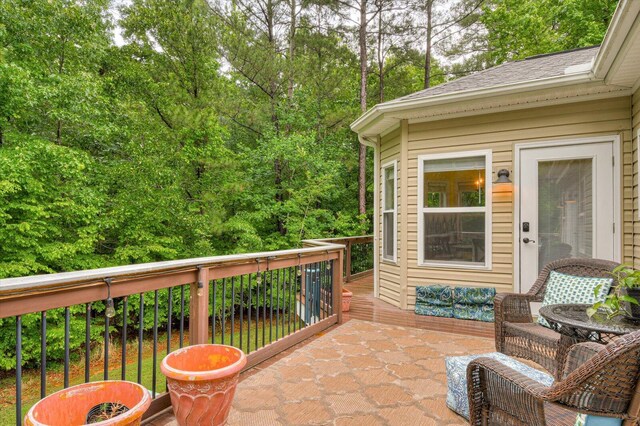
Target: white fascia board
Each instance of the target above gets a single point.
(378, 111)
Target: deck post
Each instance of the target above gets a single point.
(337, 284)
(347, 262)
(199, 308)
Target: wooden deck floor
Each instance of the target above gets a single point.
(364, 306)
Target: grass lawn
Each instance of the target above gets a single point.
(55, 379)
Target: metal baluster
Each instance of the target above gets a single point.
(286, 274)
(43, 354)
(105, 373)
(297, 303)
(257, 309)
(155, 343)
(182, 315)
(87, 342)
(169, 324)
(125, 310)
(319, 291)
(66, 347)
(278, 301)
(296, 316)
(223, 315)
(323, 302)
(169, 317)
(213, 310)
(241, 308)
(323, 289)
(18, 370)
(140, 336)
(331, 287)
(249, 314)
(271, 306)
(312, 296)
(295, 276)
(233, 307)
(264, 307)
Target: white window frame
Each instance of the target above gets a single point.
(487, 154)
(383, 170)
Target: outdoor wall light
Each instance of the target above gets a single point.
(503, 177)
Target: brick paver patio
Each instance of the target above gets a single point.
(360, 373)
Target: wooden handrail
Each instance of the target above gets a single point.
(19, 296)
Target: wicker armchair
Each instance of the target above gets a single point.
(516, 333)
(597, 380)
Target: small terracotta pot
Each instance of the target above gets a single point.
(346, 300)
(70, 406)
(202, 380)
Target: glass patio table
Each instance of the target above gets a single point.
(575, 326)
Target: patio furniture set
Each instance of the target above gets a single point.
(593, 364)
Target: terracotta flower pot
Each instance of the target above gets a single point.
(202, 381)
(71, 406)
(346, 300)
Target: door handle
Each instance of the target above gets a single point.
(527, 241)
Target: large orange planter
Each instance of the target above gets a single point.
(202, 381)
(69, 407)
(346, 300)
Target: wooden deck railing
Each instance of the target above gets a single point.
(259, 302)
(358, 254)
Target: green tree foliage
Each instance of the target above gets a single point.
(516, 29)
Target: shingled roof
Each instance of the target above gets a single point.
(529, 69)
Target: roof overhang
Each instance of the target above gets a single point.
(612, 74)
(618, 61)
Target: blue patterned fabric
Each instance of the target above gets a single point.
(588, 420)
(565, 289)
(473, 303)
(434, 295)
(474, 295)
(457, 397)
(434, 311)
(434, 300)
(469, 312)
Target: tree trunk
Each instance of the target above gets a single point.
(275, 120)
(362, 157)
(59, 132)
(380, 55)
(427, 56)
(292, 51)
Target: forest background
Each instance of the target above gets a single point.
(148, 130)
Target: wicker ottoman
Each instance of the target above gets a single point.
(457, 398)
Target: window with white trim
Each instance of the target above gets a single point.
(389, 211)
(454, 210)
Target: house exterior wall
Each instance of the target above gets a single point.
(389, 275)
(499, 132)
(635, 207)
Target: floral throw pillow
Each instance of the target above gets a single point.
(568, 289)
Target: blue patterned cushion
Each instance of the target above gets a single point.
(434, 295)
(457, 397)
(565, 289)
(434, 311)
(471, 312)
(588, 420)
(474, 296)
